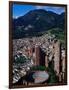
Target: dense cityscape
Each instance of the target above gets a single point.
(36, 57)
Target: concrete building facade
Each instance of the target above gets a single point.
(57, 57)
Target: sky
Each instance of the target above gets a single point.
(20, 9)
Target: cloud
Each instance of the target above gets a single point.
(39, 7)
(58, 10)
(55, 9)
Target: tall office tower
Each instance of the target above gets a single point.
(37, 55)
(30, 51)
(57, 58)
(63, 65)
(46, 61)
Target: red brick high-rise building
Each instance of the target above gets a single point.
(30, 51)
(39, 56)
(46, 61)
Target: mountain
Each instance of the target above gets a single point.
(35, 22)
